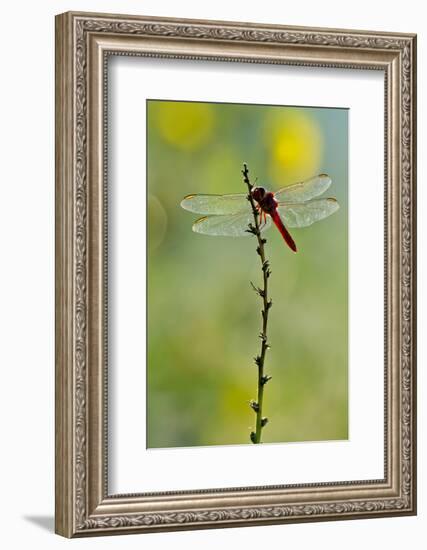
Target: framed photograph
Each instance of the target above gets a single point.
(235, 274)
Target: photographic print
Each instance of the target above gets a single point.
(247, 292)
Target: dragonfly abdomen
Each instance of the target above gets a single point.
(283, 231)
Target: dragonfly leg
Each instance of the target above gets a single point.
(263, 219)
(264, 215)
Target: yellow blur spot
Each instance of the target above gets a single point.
(185, 125)
(296, 145)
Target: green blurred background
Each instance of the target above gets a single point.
(203, 316)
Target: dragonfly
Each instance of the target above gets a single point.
(293, 206)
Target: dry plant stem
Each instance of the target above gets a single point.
(263, 293)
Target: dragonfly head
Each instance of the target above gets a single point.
(258, 193)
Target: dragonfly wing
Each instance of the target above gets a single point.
(232, 225)
(303, 191)
(216, 204)
(304, 214)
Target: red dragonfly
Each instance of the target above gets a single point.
(296, 205)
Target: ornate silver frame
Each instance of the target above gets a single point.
(83, 505)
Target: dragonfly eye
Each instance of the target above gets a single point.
(258, 193)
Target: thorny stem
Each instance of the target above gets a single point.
(267, 303)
